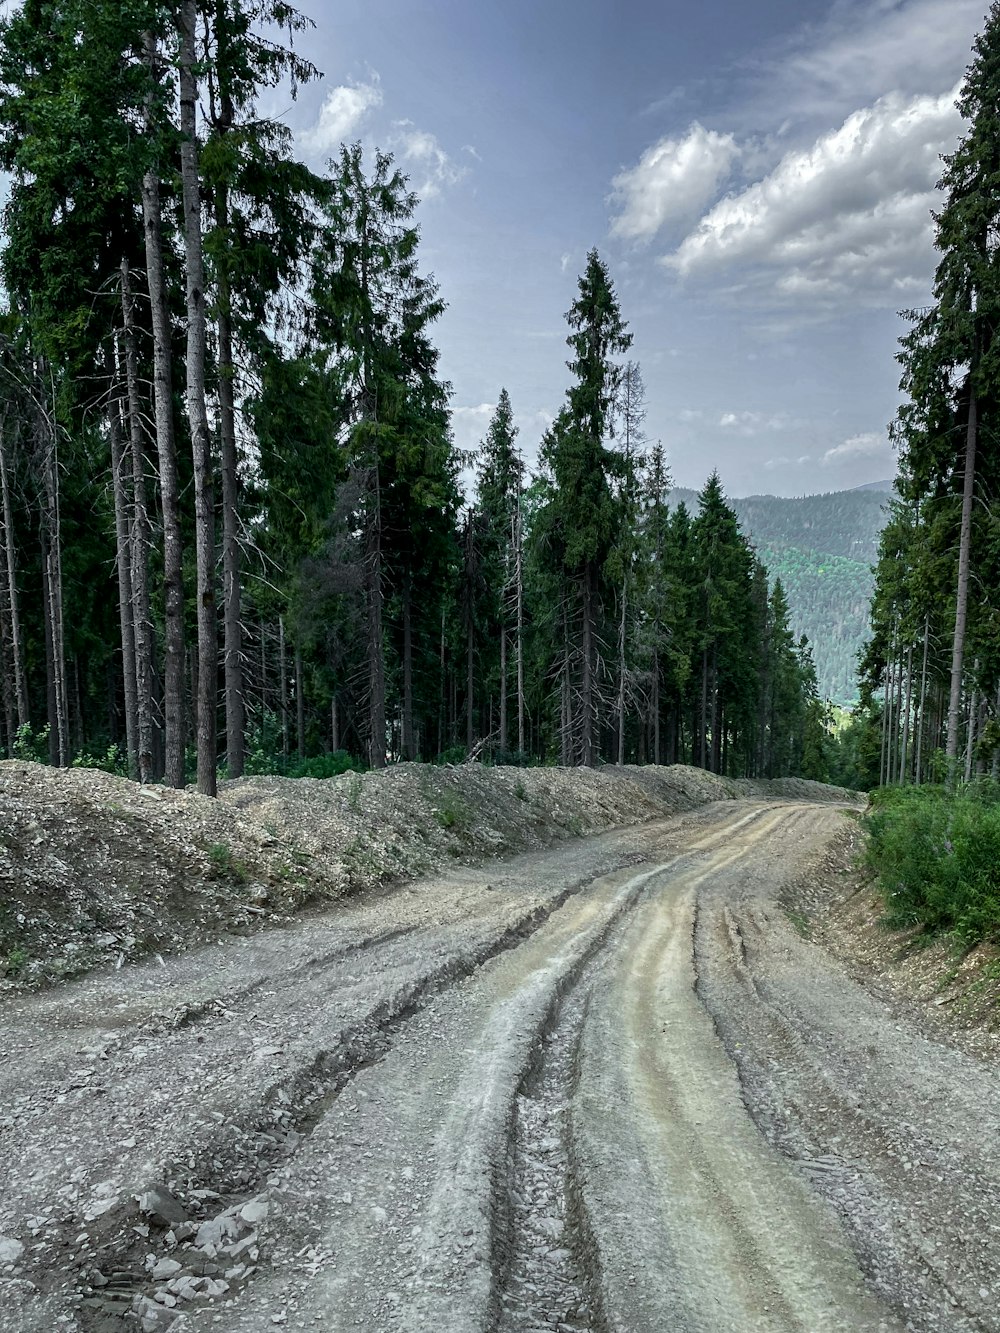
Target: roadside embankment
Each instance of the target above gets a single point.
(96, 870)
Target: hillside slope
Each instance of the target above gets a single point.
(822, 548)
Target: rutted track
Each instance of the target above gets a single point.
(511, 1104)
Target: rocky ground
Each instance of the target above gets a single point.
(619, 1083)
(96, 870)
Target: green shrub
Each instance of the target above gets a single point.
(937, 858)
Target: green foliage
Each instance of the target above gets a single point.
(111, 761)
(262, 764)
(224, 865)
(451, 811)
(16, 961)
(937, 858)
(31, 746)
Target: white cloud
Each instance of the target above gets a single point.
(671, 182)
(757, 423)
(429, 166)
(863, 48)
(850, 215)
(858, 447)
(343, 110)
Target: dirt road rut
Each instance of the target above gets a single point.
(605, 1088)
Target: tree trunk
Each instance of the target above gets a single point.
(142, 626)
(621, 674)
(962, 590)
(656, 705)
(283, 695)
(409, 751)
(970, 735)
(376, 648)
(300, 705)
(904, 754)
(587, 674)
(920, 726)
(502, 742)
(231, 552)
(52, 575)
(10, 551)
(125, 608)
(166, 451)
(204, 500)
(519, 566)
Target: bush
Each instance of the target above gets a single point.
(937, 858)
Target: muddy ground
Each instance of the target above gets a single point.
(620, 1082)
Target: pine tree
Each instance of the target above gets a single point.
(581, 519)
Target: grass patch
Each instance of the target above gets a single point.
(451, 811)
(224, 865)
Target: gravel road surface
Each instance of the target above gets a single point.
(605, 1087)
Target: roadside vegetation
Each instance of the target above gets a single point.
(936, 857)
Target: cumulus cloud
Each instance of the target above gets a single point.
(858, 447)
(851, 214)
(672, 181)
(428, 164)
(343, 110)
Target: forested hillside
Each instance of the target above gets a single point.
(822, 548)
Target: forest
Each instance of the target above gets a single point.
(823, 548)
(234, 538)
(927, 729)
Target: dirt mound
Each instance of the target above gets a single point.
(95, 869)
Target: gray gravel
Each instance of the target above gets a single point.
(603, 1087)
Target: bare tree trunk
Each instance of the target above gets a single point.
(10, 551)
(923, 703)
(703, 718)
(962, 590)
(231, 552)
(970, 735)
(125, 607)
(142, 626)
(503, 687)
(587, 674)
(656, 705)
(283, 671)
(376, 598)
(621, 674)
(903, 768)
(470, 659)
(334, 726)
(409, 751)
(300, 704)
(52, 574)
(166, 450)
(208, 645)
(519, 566)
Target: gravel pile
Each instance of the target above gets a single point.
(97, 870)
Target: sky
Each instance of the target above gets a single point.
(759, 178)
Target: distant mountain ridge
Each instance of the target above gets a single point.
(822, 548)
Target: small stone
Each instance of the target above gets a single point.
(161, 1205)
(165, 1268)
(10, 1250)
(254, 1212)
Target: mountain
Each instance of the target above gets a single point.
(822, 548)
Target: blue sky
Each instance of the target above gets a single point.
(759, 177)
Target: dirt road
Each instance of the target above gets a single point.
(606, 1087)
